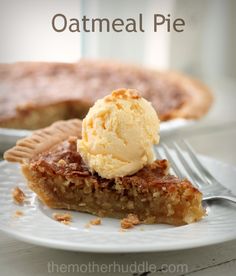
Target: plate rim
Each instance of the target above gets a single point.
(98, 249)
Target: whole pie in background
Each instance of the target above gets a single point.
(34, 95)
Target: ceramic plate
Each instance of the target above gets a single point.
(36, 225)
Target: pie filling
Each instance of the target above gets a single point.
(62, 180)
(34, 95)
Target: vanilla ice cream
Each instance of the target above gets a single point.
(118, 134)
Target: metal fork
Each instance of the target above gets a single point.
(185, 163)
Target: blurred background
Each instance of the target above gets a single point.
(205, 48)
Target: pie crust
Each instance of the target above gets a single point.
(35, 94)
(57, 174)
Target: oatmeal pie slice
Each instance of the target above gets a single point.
(57, 174)
(35, 94)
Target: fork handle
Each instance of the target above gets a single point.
(229, 198)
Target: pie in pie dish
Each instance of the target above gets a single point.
(34, 95)
(58, 175)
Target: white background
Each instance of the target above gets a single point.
(205, 48)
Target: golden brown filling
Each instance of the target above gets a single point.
(62, 180)
(64, 160)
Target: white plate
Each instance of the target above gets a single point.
(8, 137)
(36, 226)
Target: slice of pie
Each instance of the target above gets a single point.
(57, 174)
(34, 95)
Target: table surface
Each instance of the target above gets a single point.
(214, 136)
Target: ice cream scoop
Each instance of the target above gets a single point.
(118, 134)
